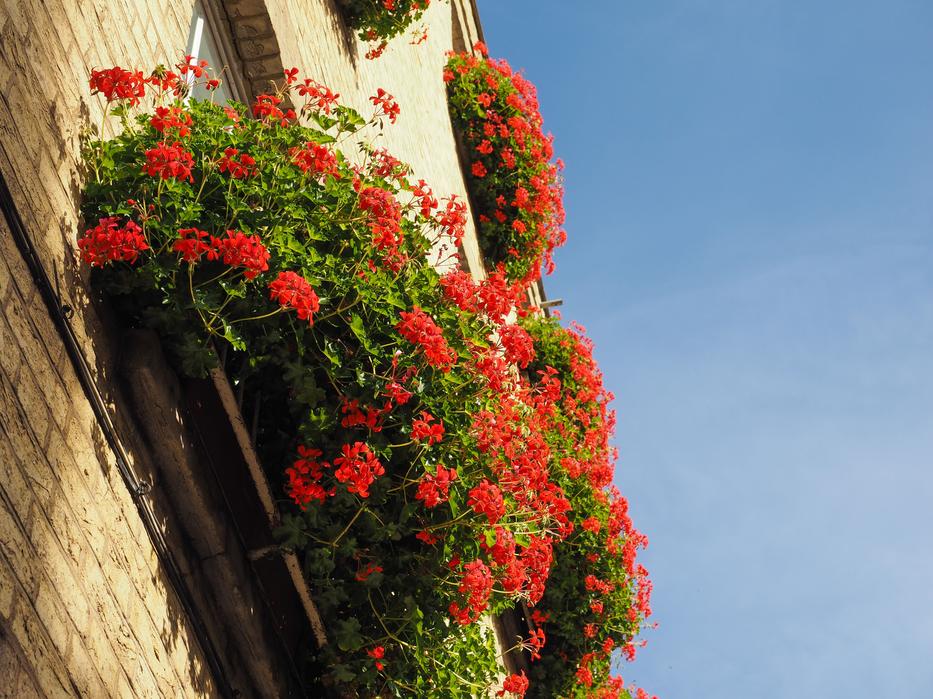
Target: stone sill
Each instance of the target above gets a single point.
(219, 513)
(257, 504)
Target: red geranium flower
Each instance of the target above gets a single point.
(117, 84)
(519, 349)
(239, 165)
(169, 162)
(476, 584)
(514, 684)
(317, 96)
(460, 288)
(427, 537)
(304, 477)
(359, 467)
(384, 215)
(419, 328)
(266, 108)
(377, 654)
(193, 243)
(315, 160)
(108, 241)
(385, 104)
(453, 218)
(434, 488)
(362, 575)
(486, 499)
(292, 290)
(241, 250)
(423, 431)
(174, 119)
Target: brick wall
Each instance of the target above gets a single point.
(85, 609)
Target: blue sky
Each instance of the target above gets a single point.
(750, 218)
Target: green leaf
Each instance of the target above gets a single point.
(342, 673)
(233, 336)
(347, 634)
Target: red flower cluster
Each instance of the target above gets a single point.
(239, 165)
(427, 537)
(317, 96)
(497, 296)
(519, 349)
(354, 416)
(266, 108)
(453, 218)
(169, 162)
(535, 643)
(193, 243)
(385, 105)
(168, 119)
(191, 65)
(108, 241)
(422, 429)
(304, 477)
(118, 84)
(363, 574)
(423, 194)
(384, 215)
(384, 164)
(503, 550)
(241, 250)
(358, 467)
(419, 328)
(434, 488)
(291, 290)
(315, 160)
(397, 394)
(516, 188)
(460, 288)
(377, 654)
(476, 584)
(486, 499)
(514, 684)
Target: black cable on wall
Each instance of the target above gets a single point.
(138, 489)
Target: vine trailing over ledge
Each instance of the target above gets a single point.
(379, 21)
(515, 187)
(438, 462)
(595, 585)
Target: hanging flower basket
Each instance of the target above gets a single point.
(434, 462)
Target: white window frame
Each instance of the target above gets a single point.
(209, 19)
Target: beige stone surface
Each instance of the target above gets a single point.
(84, 608)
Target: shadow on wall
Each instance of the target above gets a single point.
(257, 46)
(86, 552)
(340, 27)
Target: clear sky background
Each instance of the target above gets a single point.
(750, 218)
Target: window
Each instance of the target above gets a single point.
(209, 40)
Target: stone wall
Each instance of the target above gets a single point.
(85, 608)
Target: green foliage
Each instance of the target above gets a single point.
(311, 272)
(378, 21)
(516, 189)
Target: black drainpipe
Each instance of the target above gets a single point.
(60, 315)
